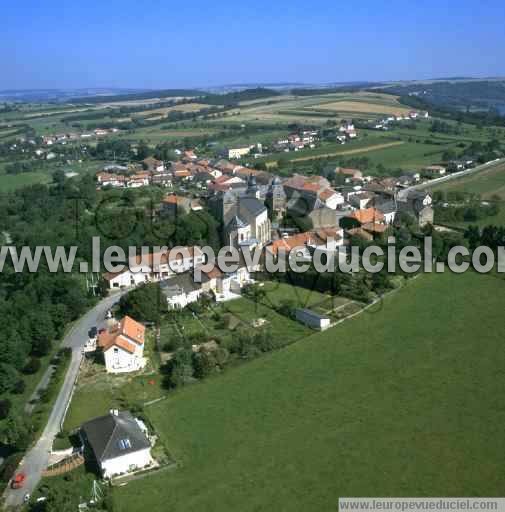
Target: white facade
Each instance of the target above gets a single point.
(119, 360)
(183, 299)
(238, 152)
(334, 200)
(389, 217)
(149, 270)
(126, 463)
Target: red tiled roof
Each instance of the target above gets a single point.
(309, 237)
(164, 257)
(374, 227)
(326, 194)
(367, 215)
(124, 335)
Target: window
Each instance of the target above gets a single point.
(124, 444)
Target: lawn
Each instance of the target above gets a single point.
(97, 391)
(275, 292)
(403, 400)
(247, 313)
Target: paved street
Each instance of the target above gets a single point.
(35, 461)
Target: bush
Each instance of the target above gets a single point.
(5, 407)
(32, 366)
(19, 387)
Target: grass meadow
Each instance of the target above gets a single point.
(402, 400)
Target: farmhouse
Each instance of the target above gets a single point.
(123, 346)
(118, 442)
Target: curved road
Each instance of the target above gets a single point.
(36, 459)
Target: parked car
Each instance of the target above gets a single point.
(18, 481)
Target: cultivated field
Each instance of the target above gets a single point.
(364, 107)
(399, 401)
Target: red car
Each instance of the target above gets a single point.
(18, 481)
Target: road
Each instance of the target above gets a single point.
(457, 175)
(36, 459)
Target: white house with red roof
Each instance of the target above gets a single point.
(123, 346)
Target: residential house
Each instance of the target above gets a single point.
(113, 180)
(181, 290)
(361, 200)
(418, 204)
(155, 266)
(434, 171)
(123, 346)
(173, 205)
(239, 151)
(355, 174)
(153, 165)
(369, 219)
(306, 243)
(388, 208)
(118, 442)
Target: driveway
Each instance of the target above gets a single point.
(36, 459)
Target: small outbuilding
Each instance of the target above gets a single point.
(312, 319)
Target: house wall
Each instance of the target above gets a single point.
(389, 217)
(125, 463)
(181, 301)
(118, 360)
(333, 201)
(123, 279)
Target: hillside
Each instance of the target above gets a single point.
(401, 401)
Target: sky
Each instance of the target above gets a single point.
(166, 44)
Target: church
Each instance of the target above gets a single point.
(244, 216)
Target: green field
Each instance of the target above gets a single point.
(488, 184)
(409, 155)
(403, 400)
